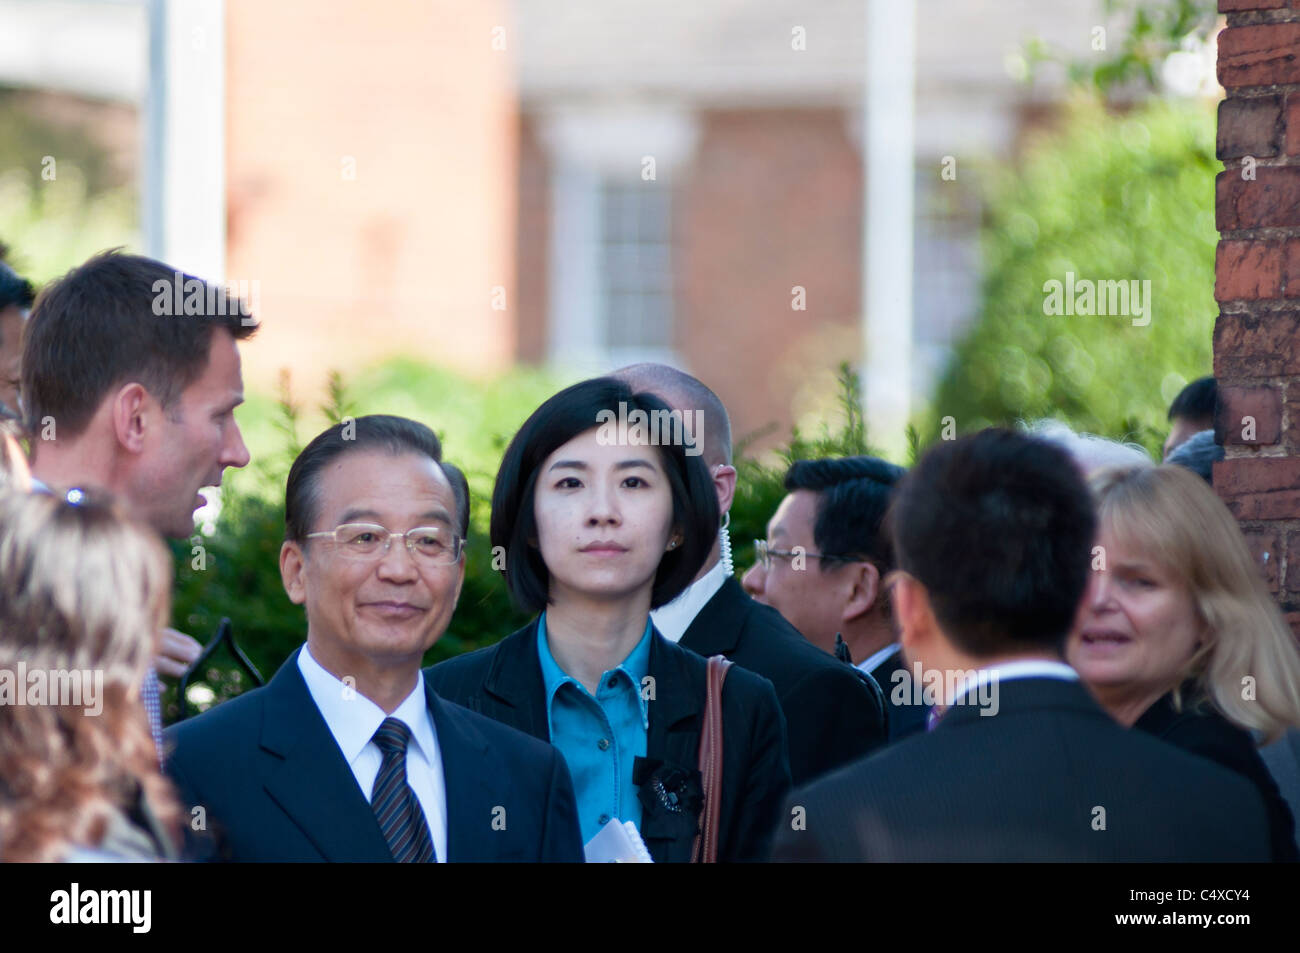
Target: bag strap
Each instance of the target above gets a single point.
(705, 848)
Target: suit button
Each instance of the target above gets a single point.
(603, 744)
(603, 819)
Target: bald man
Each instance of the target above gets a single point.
(833, 713)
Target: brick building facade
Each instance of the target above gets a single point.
(1257, 284)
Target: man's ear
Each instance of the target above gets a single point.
(866, 591)
(293, 568)
(912, 611)
(130, 416)
(724, 481)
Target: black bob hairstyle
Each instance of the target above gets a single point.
(571, 412)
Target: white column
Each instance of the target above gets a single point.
(184, 192)
(889, 180)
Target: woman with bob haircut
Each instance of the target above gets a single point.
(1177, 634)
(84, 595)
(599, 525)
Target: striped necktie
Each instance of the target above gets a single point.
(395, 805)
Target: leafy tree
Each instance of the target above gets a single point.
(1106, 197)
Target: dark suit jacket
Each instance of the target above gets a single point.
(832, 716)
(1028, 784)
(905, 718)
(504, 681)
(275, 787)
(1200, 729)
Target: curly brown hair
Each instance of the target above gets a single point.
(82, 590)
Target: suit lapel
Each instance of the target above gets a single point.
(308, 777)
(516, 694)
(466, 766)
(715, 630)
(673, 738)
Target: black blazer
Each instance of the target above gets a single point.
(274, 785)
(1027, 784)
(832, 715)
(905, 718)
(1203, 731)
(504, 681)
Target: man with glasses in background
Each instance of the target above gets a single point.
(823, 567)
(347, 754)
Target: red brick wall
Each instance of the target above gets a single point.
(1257, 284)
(773, 199)
(370, 164)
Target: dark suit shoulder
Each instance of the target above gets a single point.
(1201, 730)
(470, 668)
(1025, 785)
(741, 682)
(241, 715)
(770, 641)
(517, 745)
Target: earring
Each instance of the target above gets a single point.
(672, 544)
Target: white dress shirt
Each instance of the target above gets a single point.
(674, 619)
(870, 663)
(1026, 668)
(353, 720)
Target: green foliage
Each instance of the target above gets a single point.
(760, 482)
(1106, 197)
(52, 224)
(1156, 28)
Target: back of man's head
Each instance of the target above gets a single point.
(688, 394)
(998, 527)
(116, 319)
(15, 291)
(1195, 403)
(853, 495)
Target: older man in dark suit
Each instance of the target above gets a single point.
(833, 713)
(348, 754)
(993, 535)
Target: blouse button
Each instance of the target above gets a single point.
(603, 744)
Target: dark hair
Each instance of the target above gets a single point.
(13, 289)
(391, 435)
(460, 489)
(1196, 400)
(1198, 453)
(853, 496)
(571, 412)
(999, 528)
(110, 321)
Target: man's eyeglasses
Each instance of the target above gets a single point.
(765, 555)
(432, 545)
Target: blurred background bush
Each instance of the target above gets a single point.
(1109, 194)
